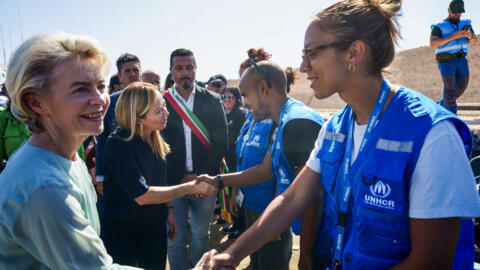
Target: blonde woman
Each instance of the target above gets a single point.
(48, 217)
(136, 204)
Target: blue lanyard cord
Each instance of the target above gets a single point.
(345, 181)
(245, 136)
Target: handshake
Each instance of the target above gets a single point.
(202, 186)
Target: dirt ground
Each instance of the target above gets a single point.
(220, 242)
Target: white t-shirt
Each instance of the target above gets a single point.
(187, 132)
(442, 183)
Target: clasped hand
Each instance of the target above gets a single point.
(201, 189)
(213, 260)
(207, 179)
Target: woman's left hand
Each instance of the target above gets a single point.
(172, 224)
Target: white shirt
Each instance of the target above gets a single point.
(187, 131)
(442, 183)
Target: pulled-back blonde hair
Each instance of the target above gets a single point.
(31, 69)
(135, 102)
(371, 21)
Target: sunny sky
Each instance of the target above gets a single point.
(218, 32)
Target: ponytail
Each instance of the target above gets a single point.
(372, 21)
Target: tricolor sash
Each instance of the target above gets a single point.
(189, 118)
(203, 136)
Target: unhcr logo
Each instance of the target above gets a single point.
(283, 177)
(380, 190)
(255, 142)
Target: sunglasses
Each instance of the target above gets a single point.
(252, 62)
(216, 85)
(227, 96)
(309, 53)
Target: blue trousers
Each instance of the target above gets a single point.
(455, 76)
(201, 213)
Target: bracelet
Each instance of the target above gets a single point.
(168, 207)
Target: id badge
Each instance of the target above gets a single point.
(239, 197)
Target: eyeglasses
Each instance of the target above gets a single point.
(227, 96)
(309, 53)
(252, 62)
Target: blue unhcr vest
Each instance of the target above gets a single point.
(456, 45)
(292, 109)
(377, 228)
(252, 145)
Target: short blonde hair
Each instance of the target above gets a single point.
(135, 102)
(31, 69)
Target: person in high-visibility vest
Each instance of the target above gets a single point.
(451, 38)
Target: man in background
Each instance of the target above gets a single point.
(197, 134)
(451, 38)
(217, 83)
(152, 77)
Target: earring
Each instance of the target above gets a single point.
(351, 67)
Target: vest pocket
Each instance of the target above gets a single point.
(329, 164)
(379, 185)
(378, 244)
(380, 224)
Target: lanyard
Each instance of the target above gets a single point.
(245, 136)
(346, 191)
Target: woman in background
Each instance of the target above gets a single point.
(168, 82)
(232, 102)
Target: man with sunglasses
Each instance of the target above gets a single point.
(264, 88)
(451, 38)
(217, 83)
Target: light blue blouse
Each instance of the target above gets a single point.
(48, 217)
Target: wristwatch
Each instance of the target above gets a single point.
(220, 181)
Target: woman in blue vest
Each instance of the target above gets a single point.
(400, 193)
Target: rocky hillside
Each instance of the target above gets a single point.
(415, 68)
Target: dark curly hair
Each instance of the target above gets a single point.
(169, 82)
(113, 80)
(291, 77)
(255, 55)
